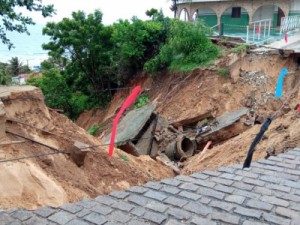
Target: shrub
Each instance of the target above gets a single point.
(93, 130)
(223, 72)
(142, 100)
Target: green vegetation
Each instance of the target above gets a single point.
(186, 48)
(223, 72)
(13, 20)
(123, 157)
(93, 130)
(142, 100)
(239, 49)
(88, 60)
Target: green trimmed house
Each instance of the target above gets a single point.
(237, 12)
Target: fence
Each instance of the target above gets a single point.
(259, 31)
(289, 23)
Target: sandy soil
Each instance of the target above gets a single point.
(56, 179)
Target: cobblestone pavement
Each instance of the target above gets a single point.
(267, 193)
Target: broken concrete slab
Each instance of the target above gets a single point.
(131, 124)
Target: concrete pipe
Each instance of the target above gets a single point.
(185, 147)
(170, 150)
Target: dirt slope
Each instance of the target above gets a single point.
(252, 76)
(56, 179)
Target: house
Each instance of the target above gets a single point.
(237, 12)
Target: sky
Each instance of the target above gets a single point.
(112, 10)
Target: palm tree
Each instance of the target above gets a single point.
(15, 66)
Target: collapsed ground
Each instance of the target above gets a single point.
(60, 178)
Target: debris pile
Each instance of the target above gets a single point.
(254, 78)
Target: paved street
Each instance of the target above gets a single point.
(267, 193)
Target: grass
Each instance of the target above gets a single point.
(239, 49)
(223, 72)
(93, 130)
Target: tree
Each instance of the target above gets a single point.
(13, 21)
(82, 43)
(15, 66)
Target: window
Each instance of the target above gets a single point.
(236, 12)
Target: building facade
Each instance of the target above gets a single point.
(237, 12)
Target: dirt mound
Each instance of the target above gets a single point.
(250, 82)
(54, 179)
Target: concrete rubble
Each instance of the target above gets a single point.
(143, 132)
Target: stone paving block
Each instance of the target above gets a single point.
(276, 219)
(45, 211)
(155, 217)
(87, 203)
(211, 193)
(287, 165)
(222, 181)
(231, 176)
(77, 222)
(265, 161)
(138, 211)
(137, 222)
(235, 199)
(155, 195)
(259, 205)
(274, 158)
(179, 214)
(189, 186)
(205, 200)
(179, 202)
(138, 189)
(95, 218)
(212, 173)
(170, 189)
(185, 178)
(292, 184)
(205, 183)
(35, 220)
(286, 156)
(222, 205)
(107, 200)
(243, 186)
(287, 196)
(156, 206)
(251, 222)
(275, 201)
(200, 176)
(253, 181)
(113, 223)
(83, 213)
(198, 208)
(271, 179)
(172, 182)
(224, 188)
(15, 223)
(5, 218)
(61, 217)
(226, 169)
(119, 194)
(225, 217)
(124, 206)
(72, 208)
(248, 212)
(173, 222)
(200, 221)
(22, 215)
(278, 187)
(288, 213)
(190, 195)
(104, 210)
(246, 174)
(153, 185)
(295, 206)
(247, 194)
(263, 191)
(119, 217)
(139, 200)
(293, 172)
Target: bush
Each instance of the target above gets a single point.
(187, 48)
(142, 100)
(223, 72)
(93, 130)
(239, 48)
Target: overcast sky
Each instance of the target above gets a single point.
(112, 9)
